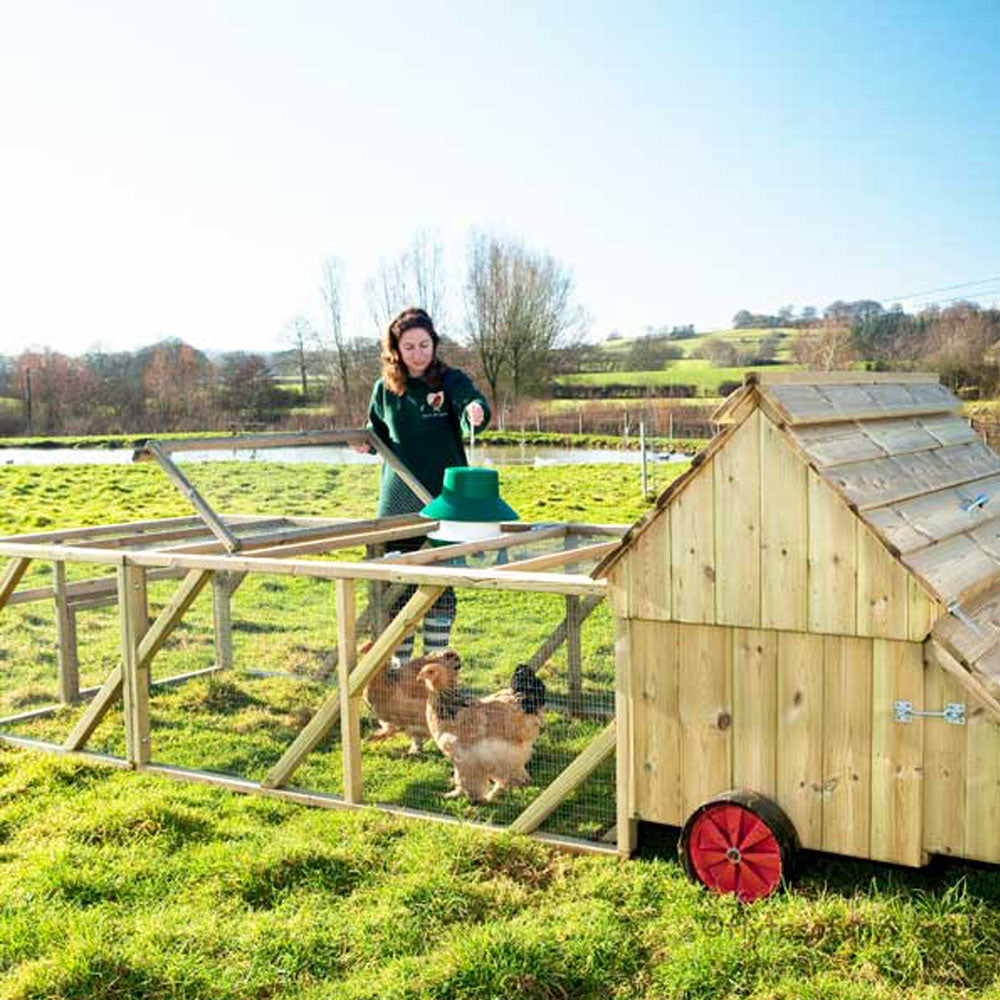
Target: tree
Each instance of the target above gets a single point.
(349, 362)
(179, 381)
(720, 352)
(766, 349)
(60, 389)
(960, 343)
(652, 352)
(848, 313)
(301, 337)
(519, 308)
(889, 336)
(742, 319)
(415, 278)
(825, 350)
(119, 388)
(248, 389)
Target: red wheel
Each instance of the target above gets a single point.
(739, 843)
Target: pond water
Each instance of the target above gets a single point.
(484, 455)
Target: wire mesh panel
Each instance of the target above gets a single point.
(565, 644)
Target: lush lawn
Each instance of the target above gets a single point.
(119, 886)
(686, 371)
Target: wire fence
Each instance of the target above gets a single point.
(247, 704)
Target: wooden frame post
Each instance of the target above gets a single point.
(350, 708)
(626, 823)
(66, 652)
(574, 655)
(134, 616)
(222, 619)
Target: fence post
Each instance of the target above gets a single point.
(574, 657)
(350, 715)
(69, 664)
(642, 453)
(222, 615)
(134, 616)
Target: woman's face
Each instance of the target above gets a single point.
(416, 349)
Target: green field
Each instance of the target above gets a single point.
(118, 885)
(699, 372)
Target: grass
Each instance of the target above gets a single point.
(698, 372)
(120, 885)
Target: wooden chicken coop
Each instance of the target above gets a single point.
(809, 634)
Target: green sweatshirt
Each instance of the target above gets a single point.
(422, 429)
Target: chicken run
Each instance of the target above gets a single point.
(798, 646)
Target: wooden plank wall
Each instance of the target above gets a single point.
(758, 539)
(806, 720)
(962, 769)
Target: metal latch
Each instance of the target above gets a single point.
(972, 503)
(954, 712)
(955, 609)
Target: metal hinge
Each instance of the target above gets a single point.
(953, 712)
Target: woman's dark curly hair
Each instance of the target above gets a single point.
(394, 372)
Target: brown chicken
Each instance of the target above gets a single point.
(399, 700)
(486, 739)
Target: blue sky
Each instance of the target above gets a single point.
(182, 169)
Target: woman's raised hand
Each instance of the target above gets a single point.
(475, 413)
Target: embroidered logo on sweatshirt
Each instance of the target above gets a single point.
(435, 400)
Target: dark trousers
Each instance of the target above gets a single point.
(438, 620)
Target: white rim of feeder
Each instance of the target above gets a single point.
(466, 531)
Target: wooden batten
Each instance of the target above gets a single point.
(640, 585)
(982, 792)
(847, 721)
(705, 711)
(897, 763)
(800, 776)
(784, 533)
(736, 490)
(945, 768)
(692, 550)
(652, 657)
(832, 561)
(883, 597)
(755, 709)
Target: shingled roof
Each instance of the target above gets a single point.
(896, 449)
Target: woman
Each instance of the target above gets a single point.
(419, 408)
